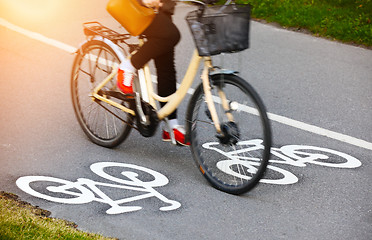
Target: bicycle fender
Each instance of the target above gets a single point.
(223, 71)
(114, 47)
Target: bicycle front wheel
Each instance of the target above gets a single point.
(235, 159)
(104, 124)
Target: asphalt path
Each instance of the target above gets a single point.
(318, 94)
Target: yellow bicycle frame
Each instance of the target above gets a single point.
(174, 100)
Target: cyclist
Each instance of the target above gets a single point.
(162, 36)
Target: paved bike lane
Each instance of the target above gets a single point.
(41, 137)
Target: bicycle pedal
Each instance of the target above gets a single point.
(127, 95)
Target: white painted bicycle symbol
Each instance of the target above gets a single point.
(294, 155)
(140, 179)
(130, 177)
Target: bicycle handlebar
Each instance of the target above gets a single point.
(202, 4)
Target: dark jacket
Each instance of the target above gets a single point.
(168, 6)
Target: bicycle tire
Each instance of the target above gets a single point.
(92, 64)
(250, 122)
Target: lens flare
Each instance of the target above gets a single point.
(30, 10)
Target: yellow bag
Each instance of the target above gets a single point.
(131, 15)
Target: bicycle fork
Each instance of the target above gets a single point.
(209, 98)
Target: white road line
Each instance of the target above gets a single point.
(37, 36)
(321, 131)
(274, 117)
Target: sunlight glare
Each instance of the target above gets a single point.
(32, 9)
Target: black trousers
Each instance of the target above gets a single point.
(162, 37)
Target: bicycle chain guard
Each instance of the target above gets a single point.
(147, 130)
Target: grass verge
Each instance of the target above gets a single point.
(20, 220)
(348, 21)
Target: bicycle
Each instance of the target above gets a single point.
(224, 108)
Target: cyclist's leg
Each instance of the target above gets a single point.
(162, 35)
(166, 75)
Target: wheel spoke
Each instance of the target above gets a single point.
(227, 159)
(92, 65)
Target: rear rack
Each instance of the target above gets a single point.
(95, 28)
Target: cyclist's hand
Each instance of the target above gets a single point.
(152, 3)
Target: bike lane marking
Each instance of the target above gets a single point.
(274, 117)
(86, 190)
(130, 177)
(288, 155)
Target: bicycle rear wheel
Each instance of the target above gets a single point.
(234, 161)
(92, 64)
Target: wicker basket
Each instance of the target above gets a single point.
(221, 29)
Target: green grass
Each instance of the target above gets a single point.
(348, 21)
(20, 220)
